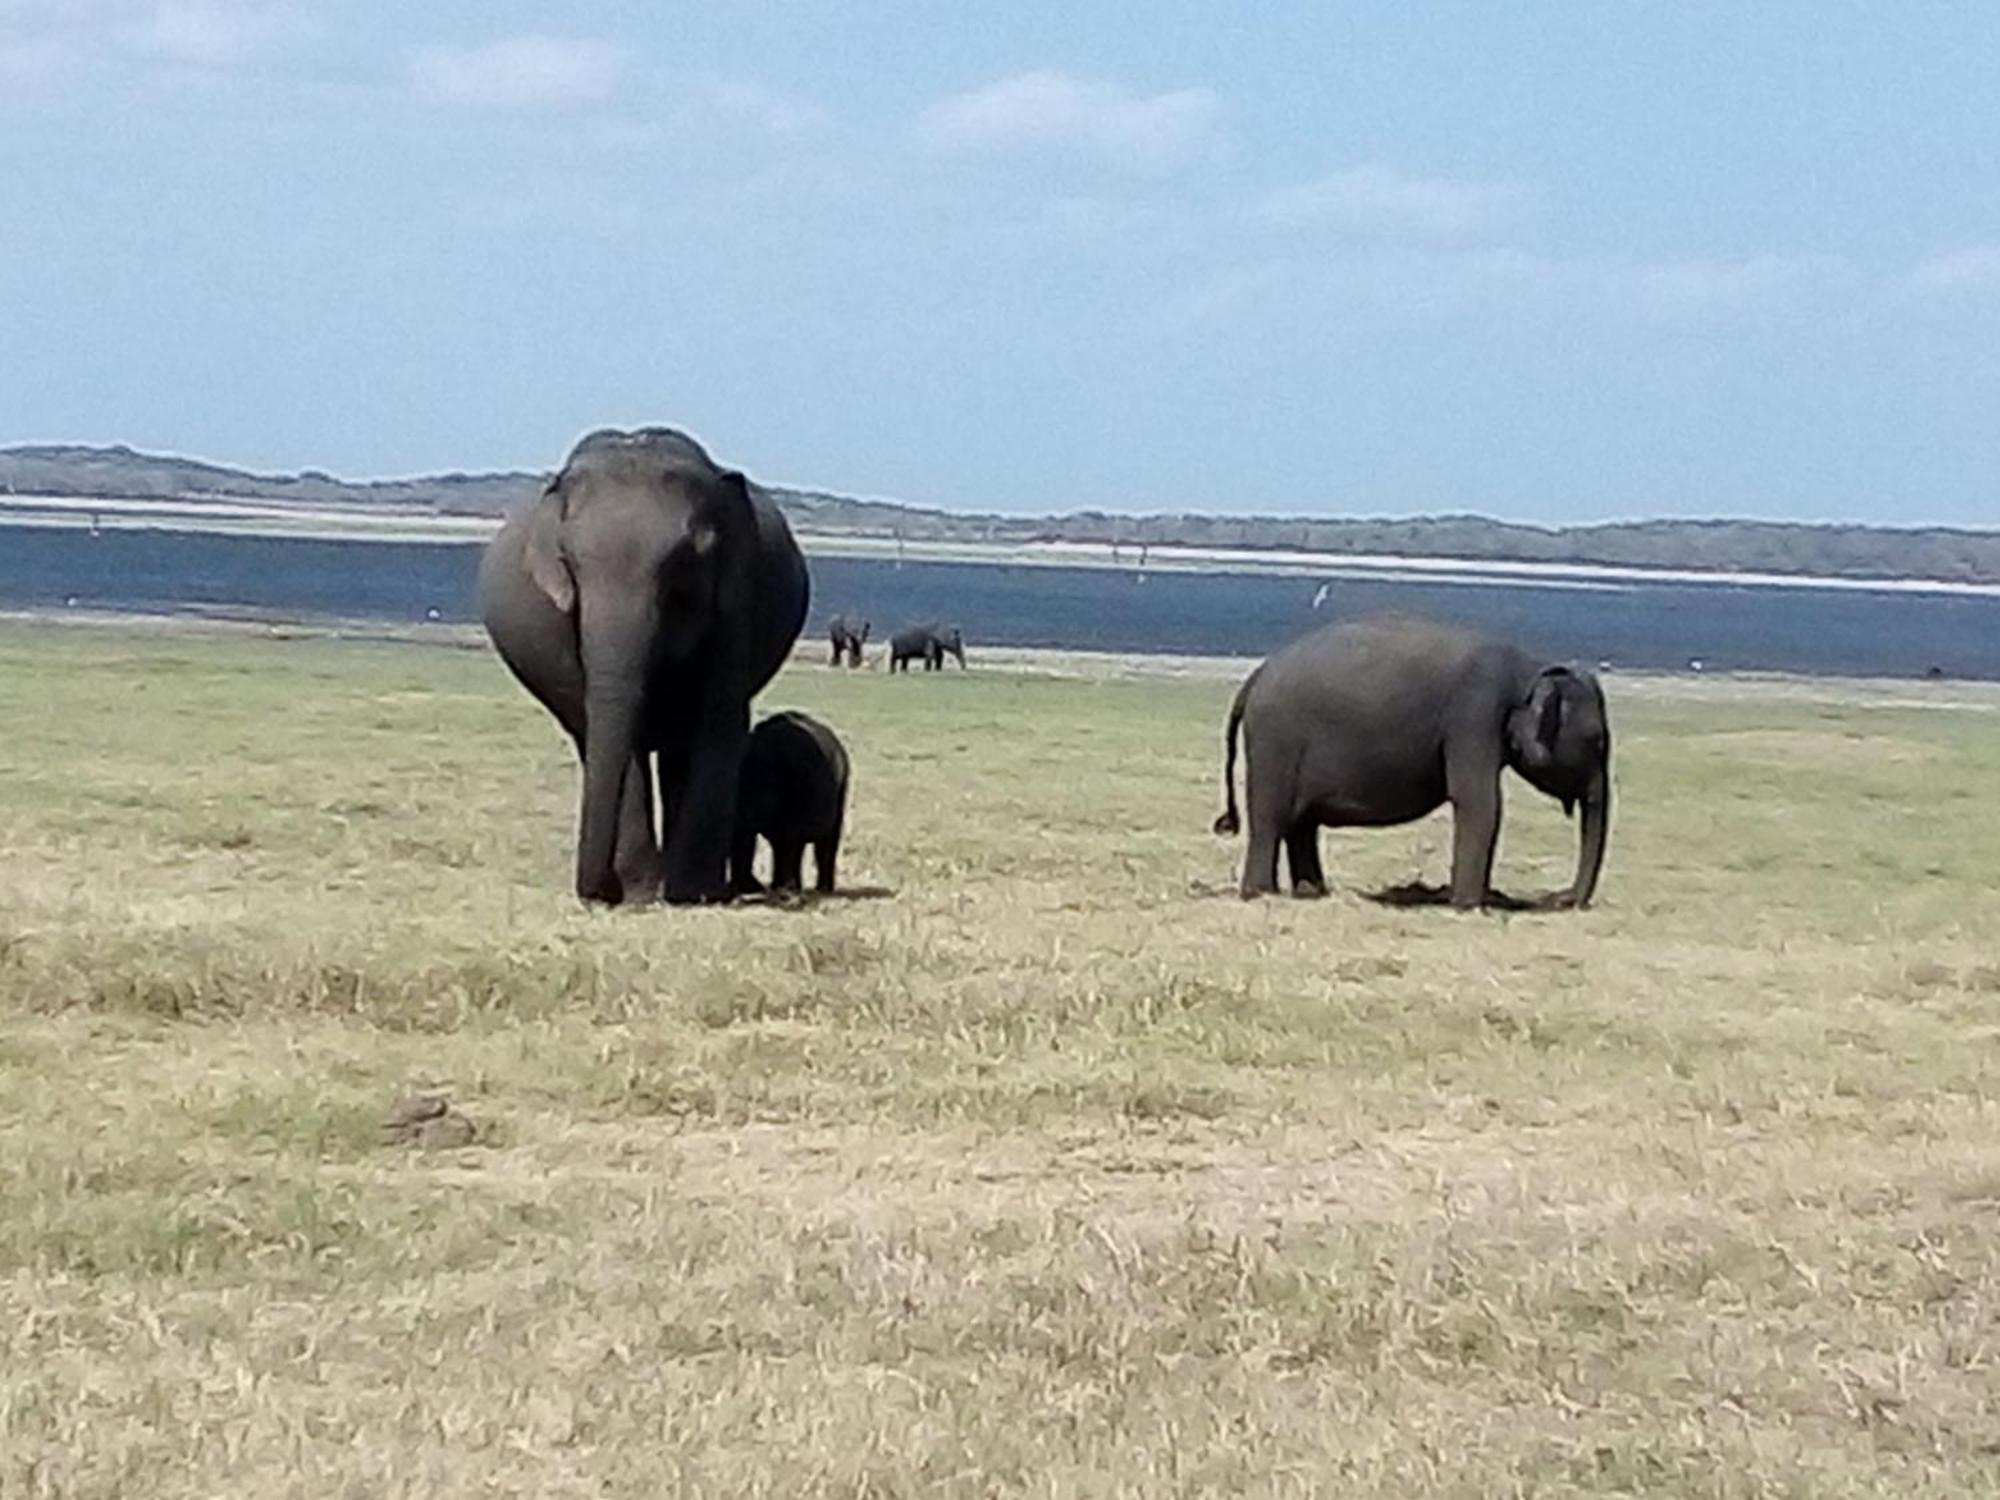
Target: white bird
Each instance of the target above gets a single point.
(1320, 597)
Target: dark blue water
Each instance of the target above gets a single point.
(1820, 631)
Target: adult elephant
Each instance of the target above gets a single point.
(930, 642)
(847, 638)
(1380, 721)
(644, 598)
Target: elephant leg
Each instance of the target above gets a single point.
(1260, 862)
(1268, 800)
(637, 859)
(1302, 853)
(788, 859)
(637, 862)
(743, 863)
(825, 855)
(702, 817)
(1475, 833)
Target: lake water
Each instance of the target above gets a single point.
(1643, 625)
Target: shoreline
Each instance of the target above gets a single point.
(283, 520)
(1963, 695)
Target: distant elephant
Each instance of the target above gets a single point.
(793, 793)
(847, 640)
(1375, 722)
(644, 598)
(929, 642)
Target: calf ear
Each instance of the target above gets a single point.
(546, 564)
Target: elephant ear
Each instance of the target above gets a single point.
(727, 521)
(1538, 721)
(546, 564)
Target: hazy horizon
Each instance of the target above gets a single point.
(808, 486)
(1561, 265)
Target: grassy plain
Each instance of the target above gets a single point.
(1057, 1171)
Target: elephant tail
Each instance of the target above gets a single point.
(1228, 823)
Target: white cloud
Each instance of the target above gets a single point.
(1694, 288)
(1050, 110)
(1451, 283)
(1974, 270)
(520, 72)
(207, 33)
(1378, 201)
(74, 35)
(766, 109)
(34, 61)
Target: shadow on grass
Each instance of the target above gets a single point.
(804, 900)
(1412, 893)
(1418, 893)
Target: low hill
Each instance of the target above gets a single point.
(1834, 551)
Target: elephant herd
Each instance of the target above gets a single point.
(648, 594)
(929, 643)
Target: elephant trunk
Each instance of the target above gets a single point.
(1596, 825)
(614, 691)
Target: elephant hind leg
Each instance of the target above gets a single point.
(1268, 800)
(1302, 853)
(825, 854)
(788, 858)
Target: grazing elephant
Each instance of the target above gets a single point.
(930, 642)
(847, 641)
(793, 793)
(1374, 722)
(644, 597)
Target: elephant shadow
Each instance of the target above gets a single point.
(807, 899)
(1420, 893)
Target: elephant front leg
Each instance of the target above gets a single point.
(638, 863)
(703, 817)
(743, 863)
(1475, 833)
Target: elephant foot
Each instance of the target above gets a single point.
(707, 894)
(601, 890)
(641, 877)
(1308, 890)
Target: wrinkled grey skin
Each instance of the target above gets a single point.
(793, 793)
(1375, 722)
(847, 639)
(644, 598)
(930, 643)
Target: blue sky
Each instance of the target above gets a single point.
(1546, 261)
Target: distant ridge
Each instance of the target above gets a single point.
(1828, 551)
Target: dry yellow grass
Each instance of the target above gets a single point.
(1056, 1171)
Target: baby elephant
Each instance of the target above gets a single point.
(793, 792)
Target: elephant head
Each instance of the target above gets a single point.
(951, 641)
(647, 546)
(1559, 739)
